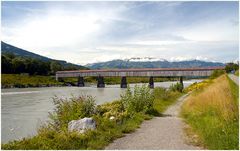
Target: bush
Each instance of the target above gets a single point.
(176, 87)
(73, 109)
(140, 100)
(114, 109)
(198, 86)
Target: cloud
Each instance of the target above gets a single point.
(85, 32)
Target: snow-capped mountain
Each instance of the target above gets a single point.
(149, 62)
(144, 59)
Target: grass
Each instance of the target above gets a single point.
(213, 114)
(164, 98)
(21, 81)
(237, 73)
(105, 133)
(128, 118)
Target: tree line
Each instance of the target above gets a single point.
(232, 67)
(12, 64)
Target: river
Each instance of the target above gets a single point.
(25, 109)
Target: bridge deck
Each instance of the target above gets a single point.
(146, 72)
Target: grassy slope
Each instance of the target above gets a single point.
(106, 131)
(212, 112)
(17, 80)
(237, 73)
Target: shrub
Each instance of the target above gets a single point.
(198, 86)
(140, 100)
(114, 109)
(73, 109)
(176, 87)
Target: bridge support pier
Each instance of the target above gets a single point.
(80, 82)
(181, 82)
(100, 83)
(124, 82)
(151, 82)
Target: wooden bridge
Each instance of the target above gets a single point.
(146, 72)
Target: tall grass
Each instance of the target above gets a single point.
(213, 114)
(163, 99)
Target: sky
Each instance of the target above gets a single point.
(86, 32)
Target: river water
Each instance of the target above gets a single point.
(25, 109)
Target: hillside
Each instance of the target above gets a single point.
(7, 48)
(151, 63)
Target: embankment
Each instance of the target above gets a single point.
(213, 114)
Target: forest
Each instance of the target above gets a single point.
(13, 64)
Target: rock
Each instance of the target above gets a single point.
(82, 125)
(112, 118)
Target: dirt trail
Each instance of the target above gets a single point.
(158, 133)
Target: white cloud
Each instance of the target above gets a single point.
(89, 32)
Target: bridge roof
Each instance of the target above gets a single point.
(145, 69)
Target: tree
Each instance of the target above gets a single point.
(43, 68)
(231, 66)
(18, 65)
(55, 66)
(6, 64)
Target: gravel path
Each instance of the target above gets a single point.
(234, 78)
(158, 133)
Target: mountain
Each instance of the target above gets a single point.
(151, 63)
(7, 48)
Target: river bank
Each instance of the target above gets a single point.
(24, 109)
(26, 81)
(212, 111)
(37, 81)
(127, 118)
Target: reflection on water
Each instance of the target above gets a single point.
(25, 109)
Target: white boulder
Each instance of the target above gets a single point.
(82, 125)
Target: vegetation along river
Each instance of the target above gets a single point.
(25, 109)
